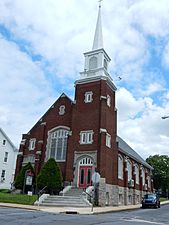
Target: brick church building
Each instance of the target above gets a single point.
(81, 135)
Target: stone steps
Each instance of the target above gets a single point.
(73, 198)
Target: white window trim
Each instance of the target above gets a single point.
(86, 137)
(6, 157)
(108, 140)
(108, 100)
(3, 173)
(62, 110)
(54, 133)
(32, 143)
(120, 169)
(129, 167)
(137, 173)
(88, 97)
(143, 176)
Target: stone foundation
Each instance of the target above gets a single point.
(113, 195)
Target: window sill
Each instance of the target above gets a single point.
(86, 143)
(64, 160)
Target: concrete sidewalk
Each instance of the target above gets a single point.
(77, 210)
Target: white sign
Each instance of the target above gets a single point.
(29, 180)
(95, 177)
(30, 193)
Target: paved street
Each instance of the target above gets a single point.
(11, 216)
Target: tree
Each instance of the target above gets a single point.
(20, 178)
(50, 177)
(160, 172)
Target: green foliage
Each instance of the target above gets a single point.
(17, 198)
(51, 177)
(19, 181)
(160, 172)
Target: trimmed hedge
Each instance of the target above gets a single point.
(20, 178)
(50, 177)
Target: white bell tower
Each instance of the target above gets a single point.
(97, 60)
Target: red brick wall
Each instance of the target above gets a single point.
(93, 116)
(50, 120)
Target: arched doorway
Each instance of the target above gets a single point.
(85, 172)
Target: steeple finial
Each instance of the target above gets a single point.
(100, 3)
(98, 37)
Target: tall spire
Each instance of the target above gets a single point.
(98, 37)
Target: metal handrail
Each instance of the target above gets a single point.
(41, 191)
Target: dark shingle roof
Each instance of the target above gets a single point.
(126, 149)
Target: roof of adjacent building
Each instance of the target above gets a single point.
(8, 139)
(126, 149)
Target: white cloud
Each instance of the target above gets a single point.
(22, 86)
(165, 58)
(153, 88)
(147, 133)
(151, 16)
(59, 32)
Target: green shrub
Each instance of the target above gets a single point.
(50, 177)
(20, 178)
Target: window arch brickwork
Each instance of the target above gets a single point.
(57, 143)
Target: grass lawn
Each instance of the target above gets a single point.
(17, 198)
(163, 199)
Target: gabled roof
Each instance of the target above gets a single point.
(63, 95)
(8, 139)
(126, 149)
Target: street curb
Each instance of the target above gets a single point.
(78, 211)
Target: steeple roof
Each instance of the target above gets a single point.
(98, 37)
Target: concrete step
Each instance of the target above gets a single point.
(73, 198)
(64, 204)
(74, 192)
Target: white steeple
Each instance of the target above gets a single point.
(96, 60)
(98, 37)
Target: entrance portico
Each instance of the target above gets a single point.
(84, 167)
(85, 172)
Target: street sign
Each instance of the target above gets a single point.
(95, 177)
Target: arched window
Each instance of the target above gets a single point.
(120, 167)
(108, 100)
(58, 144)
(143, 175)
(105, 64)
(62, 110)
(93, 63)
(86, 161)
(137, 173)
(149, 181)
(129, 167)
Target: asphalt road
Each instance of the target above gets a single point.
(11, 216)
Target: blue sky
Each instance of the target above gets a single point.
(41, 54)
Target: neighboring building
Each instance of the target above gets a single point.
(8, 153)
(82, 136)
